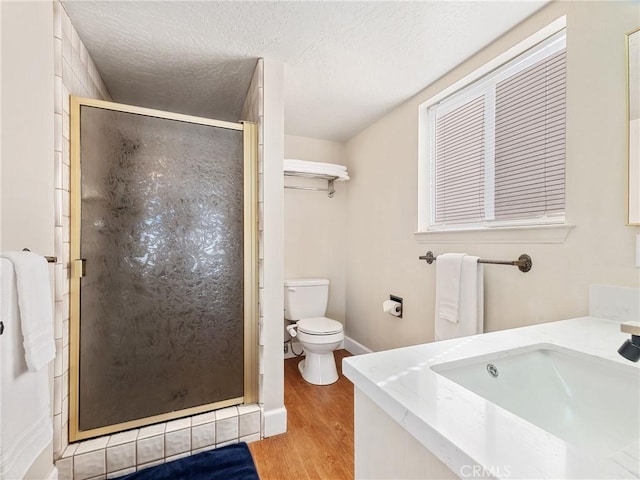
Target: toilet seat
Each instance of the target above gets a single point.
(319, 326)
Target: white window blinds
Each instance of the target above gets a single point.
(498, 144)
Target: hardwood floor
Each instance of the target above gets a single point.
(319, 439)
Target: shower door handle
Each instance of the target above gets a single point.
(79, 268)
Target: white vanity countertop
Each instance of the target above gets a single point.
(462, 428)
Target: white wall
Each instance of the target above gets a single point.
(27, 170)
(315, 226)
(271, 270)
(382, 254)
(27, 127)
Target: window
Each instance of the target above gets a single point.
(496, 146)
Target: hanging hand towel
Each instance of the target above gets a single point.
(36, 307)
(448, 272)
(469, 303)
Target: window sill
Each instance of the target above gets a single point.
(520, 234)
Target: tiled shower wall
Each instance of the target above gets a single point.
(253, 111)
(76, 74)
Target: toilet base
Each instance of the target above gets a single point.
(319, 369)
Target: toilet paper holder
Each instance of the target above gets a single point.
(393, 306)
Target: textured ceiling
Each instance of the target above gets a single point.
(346, 63)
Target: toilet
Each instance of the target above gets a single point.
(305, 303)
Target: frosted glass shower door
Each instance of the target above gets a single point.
(161, 223)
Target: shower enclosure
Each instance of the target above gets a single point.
(163, 266)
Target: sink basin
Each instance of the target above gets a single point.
(587, 401)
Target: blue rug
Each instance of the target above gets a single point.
(233, 462)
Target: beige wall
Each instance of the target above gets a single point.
(27, 127)
(27, 139)
(382, 198)
(314, 224)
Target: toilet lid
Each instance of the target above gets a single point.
(319, 326)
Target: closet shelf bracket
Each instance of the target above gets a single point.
(329, 178)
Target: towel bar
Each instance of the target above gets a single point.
(329, 178)
(48, 258)
(524, 262)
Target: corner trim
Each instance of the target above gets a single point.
(274, 422)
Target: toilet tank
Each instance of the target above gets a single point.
(305, 298)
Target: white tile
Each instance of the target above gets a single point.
(179, 424)
(251, 438)
(65, 333)
(203, 449)
(66, 23)
(84, 56)
(65, 123)
(65, 410)
(123, 437)
(227, 429)
(57, 321)
(224, 444)
(89, 465)
(58, 244)
(65, 99)
(65, 468)
(70, 450)
(203, 435)
(57, 362)
(120, 473)
(65, 358)
(245, 409)
(75, 39)
(149, 464)
(57, 433)
(204, 418)
(177, 457)
(99, 477)
(67, 74)
(66, 205)
(65, 153)
(57, 19)
(228, 412)
(57, 132)
(57, 395)
(57, 94)
(57, 57)
(65, 435)
(92, 445)
(249, 424)
(121, 456)
(151, 431)
(67, 50)
(150, 449)
(177, 442)
(57, 206)
(65, 305)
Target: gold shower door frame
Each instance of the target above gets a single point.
(250, 169)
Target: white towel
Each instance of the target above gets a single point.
(306, 163)
(448, 272)
(318, 168)
(36, 307)
(25, 412)
(468, 310)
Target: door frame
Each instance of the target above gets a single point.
(250, 322)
